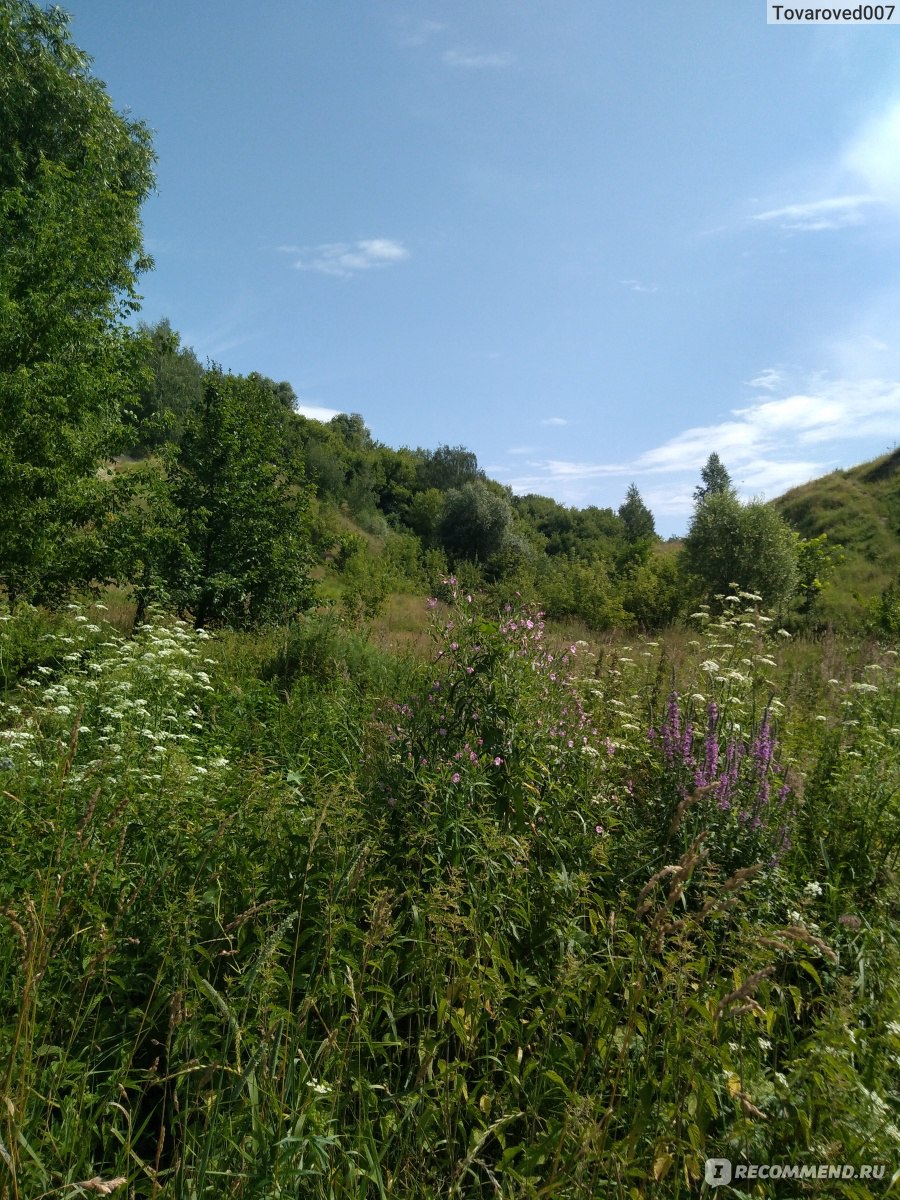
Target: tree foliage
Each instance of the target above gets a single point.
(242, 555)
(636, 517)
(477, 521)
(73, 175)
(169, 391)
(716, 480)
(448, 468)
(748, 546)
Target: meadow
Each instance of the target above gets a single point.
(335, 910)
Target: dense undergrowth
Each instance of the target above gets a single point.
(285, 915)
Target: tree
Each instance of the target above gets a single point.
(716, 480)
(477, 521)
(816, 561)
(242, 555)
(352, 430)
(748, 546)
(448, 467)
(636, 517)
(73, 175)
(171, 389)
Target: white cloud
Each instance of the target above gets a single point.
(767, 447)
(635, 285)
(554, 421)
(862, 179)
(316, 412)
(874, 155)
(344, 259)
(475, 60)
(834, 212)
(410, 31)
(768, 379)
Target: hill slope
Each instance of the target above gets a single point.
(859, 509)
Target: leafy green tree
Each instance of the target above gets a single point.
(352, 430)
(716, 480)
(448, 467)
(73, 175)
(242, 558)
(816, 561)
(172, 387)
(748, 546)
(636, 517)
(423, 515)
(574, 589)
(284, 391)
(652, 591)
(477, 521)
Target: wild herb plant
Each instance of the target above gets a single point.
(277, 922)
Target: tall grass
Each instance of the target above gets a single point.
(292, 916)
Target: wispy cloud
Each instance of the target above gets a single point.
(316, 412)
(834, 212)
(767, 446)
(635, 285)
(554, 421)
(862, 180)
(413, 31)
(873, 155)
(768, 380)
(344, 259)
(475, 60)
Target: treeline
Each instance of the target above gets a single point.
(225, 496)
(124, 460)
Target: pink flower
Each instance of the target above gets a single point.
(498, 761)
(455, 777)
(431, 602)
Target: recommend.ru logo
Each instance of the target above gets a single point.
(720, 1171)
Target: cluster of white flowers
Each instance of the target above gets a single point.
(132, 701)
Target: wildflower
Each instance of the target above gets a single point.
(431, 602)
(813, 888)
(498, 761)
(455, 777)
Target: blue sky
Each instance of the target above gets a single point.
(593, 242)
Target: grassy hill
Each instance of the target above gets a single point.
(859, 509)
